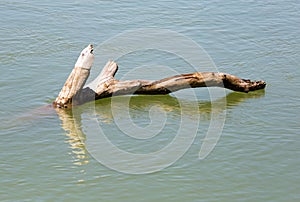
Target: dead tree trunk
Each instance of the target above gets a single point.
(75, 82)
(108, 86)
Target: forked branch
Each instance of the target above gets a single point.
(108, 86)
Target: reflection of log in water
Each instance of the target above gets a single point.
(71, 119)
(71, 123)
(169, 103)
(73, 93)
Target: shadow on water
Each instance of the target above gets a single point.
(102, 109)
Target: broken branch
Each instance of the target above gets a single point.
(108, 86)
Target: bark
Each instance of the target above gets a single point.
(108, 86)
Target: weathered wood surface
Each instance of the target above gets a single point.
(108, 86)
(76, 80)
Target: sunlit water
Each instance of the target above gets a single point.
(43, 155)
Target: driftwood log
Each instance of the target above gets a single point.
(73, 92)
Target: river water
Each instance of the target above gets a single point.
(49, 156)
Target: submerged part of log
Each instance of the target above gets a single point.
(76, 80)
(108, 86)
